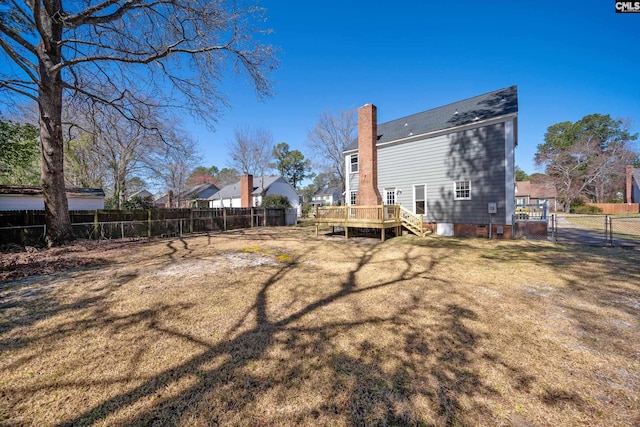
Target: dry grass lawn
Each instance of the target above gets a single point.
(273, 327)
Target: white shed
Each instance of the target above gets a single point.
(25, 197)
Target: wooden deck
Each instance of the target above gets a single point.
(381, 217)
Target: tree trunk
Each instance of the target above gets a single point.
(56, 206)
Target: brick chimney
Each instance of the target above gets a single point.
(246, 188)
(628, 189)
(368, 193)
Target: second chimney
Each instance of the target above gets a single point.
(246, 188)
(628, 187)
(368, 193)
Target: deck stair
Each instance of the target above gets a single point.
(412, 222)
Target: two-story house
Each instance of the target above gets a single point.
(453, 164)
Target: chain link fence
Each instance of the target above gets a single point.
(596, 230)
(624, 230)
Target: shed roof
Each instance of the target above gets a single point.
(37, 190)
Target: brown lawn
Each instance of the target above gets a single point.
(275, 327)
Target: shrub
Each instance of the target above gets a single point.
(586, 209)
(276, 201)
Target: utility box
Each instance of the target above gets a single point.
(493, 208)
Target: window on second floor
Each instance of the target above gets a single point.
(353, 167)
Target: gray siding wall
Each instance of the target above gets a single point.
(476, 155)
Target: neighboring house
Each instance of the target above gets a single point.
(453, 164)
(258, 187)
(26, 197)
(162, 201)
(143, 194)
(197, 196)
(326, 197)
(536, 193)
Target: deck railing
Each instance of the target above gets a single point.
(412, 221)
(356, 214)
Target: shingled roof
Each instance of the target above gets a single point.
(37, 190)
(482, 107)
(260, 183)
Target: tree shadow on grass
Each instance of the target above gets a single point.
(424, 375)
(30, 300)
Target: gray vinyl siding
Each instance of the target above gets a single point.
(476, 155)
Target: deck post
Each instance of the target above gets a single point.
(224, 217)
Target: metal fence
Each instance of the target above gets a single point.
(596, 230)
(624, 230)
(28, 227)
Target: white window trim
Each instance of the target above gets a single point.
(455, 190)
(393, 190)
(351, 163)
(415, 200)
(353, 196)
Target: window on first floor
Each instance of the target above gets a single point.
(419, 195)
(521, 201)
(462, 190)
(353, 168)
(390, 196)
(352, 197)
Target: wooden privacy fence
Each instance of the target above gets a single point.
(28, 227)
(617, 208)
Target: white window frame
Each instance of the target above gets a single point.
(353, 197)
(352, 163)
(457, 190)
(415, 200)
(387, 192)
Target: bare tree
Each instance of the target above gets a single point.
(331, 136)
(122, 53)
(251, 150)
(586, 158)
(175, 164)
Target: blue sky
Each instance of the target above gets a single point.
(567, 59)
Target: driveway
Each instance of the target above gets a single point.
(571, 233)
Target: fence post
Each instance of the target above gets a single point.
(191, 221)
(149, 223)
(95, 224)
(224, 218)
